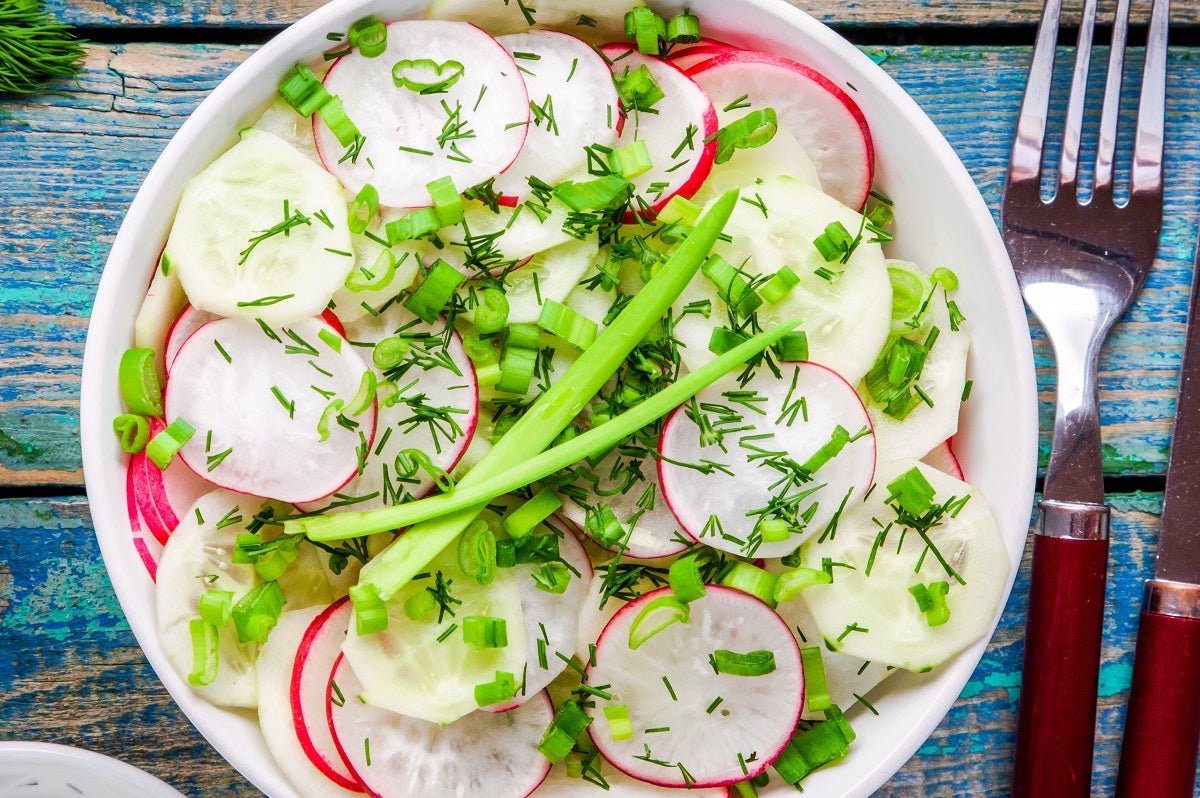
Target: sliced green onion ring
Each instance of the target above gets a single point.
(363, 209)
(502, 689)
(619, 724)
(565, 323)
(602, 193)
(779, 286)
(163, 447)
(521, 522)
(390, 352)
(632, 160)
(447, 202)
(569, 723)
(753, 580)
(753, 130)
(205, 645)
(365, 396)
(790, 584)
(491, 314)
(327, 416)
(659, 613)
(256, 613)
(683, 28)
(816, 691)
(428, 301)
(333, 113)
(752, 663)
(216, 606)
(303, 91)
(684, 578)
(133, 431)
(477, 552)
(370, 611)
(369, 35)
(426, 76)
(484, 631)
(137, 379)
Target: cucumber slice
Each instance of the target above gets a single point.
(551, 274)
(409, 255)
(782, 155)
(163, 303)
(281, 120)
(942, 379)
(847, 677)
(231, 204)
(495, 242)
(407, 669)
(559, 784)
(275, 665)
(899, 633)
(196, 559)
(846, 320)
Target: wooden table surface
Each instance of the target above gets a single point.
(70, 162)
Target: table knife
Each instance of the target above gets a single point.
(1162, 725)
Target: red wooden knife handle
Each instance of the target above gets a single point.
(1162, 726)
(1057, 717)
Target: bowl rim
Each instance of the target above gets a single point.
(94, 427)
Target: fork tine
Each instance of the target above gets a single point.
(1148, 144)
(1069, 163)
(1107, 146)
(1026, 162)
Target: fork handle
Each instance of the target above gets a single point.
(1057, 716)
(1162, 726)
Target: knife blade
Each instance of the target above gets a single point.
(1178, 557)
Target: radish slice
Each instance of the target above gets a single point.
(675, 134)
(148, 549)
(750, 726)
(308, 688)
(244, 433)
(275, 666)
(438, 380)
(722, 508)
(162, 496)
(227, 243)
(847, 319)
(573, 88)
(186, 323)
(943, 379)
(560, 785)
(628, 485)
(847, 677)
(424, 668)
(470, 132)
(484, 753)
(822, 117)
(196, 559)
(686, 56)
(551, 618)
(884, 621)
(942, 458)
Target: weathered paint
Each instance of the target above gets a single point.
(70, 670)
(847, 13)
(71, 168)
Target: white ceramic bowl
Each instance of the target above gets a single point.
(940, 218)
(44, 770)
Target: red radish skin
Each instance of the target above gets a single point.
(846, 171)
(343, 674)
(674, 82)
(407, 196)
(943, 459)
(148, 558)
(686, 56)
(315, 659)
(785, 713)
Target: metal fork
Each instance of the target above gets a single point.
(1080, 265)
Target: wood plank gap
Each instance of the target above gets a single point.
(1003, 35)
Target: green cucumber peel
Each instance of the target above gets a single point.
(594, 441)
(396, 565)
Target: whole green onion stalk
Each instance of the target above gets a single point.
(545, 419)
(34, 48)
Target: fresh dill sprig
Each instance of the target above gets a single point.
(34, 48)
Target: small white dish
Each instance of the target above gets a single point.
(45, 770)
(941, 219)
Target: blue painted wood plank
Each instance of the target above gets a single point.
(850, 13)
(71, 166)
(71, 672)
